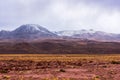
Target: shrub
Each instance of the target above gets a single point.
(6, 77)
(115, 62)
(4, 71)
(62, 70)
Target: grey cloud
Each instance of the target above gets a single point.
(61, 14)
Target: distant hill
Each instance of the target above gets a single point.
(60, 46)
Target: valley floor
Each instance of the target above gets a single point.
(59, 66)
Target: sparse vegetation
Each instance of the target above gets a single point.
(62, 70)
(4, 71)
(5, 77)
(96, 78)
(59, 66)
(115, 62)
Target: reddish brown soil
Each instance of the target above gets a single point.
(58, 70)
(60, 46)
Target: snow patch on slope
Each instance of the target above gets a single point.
(74, 32)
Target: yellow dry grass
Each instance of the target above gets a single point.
(60, 57)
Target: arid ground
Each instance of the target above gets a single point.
(59, 67)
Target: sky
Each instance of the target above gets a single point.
(57, 15)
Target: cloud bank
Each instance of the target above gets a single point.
(103, 15)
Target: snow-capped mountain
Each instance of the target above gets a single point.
(28, 31)
(34, 31)
(31, 28)
(90, 35)
(73, 32)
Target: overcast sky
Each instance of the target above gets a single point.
(103, 15)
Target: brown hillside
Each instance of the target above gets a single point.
(60, 47)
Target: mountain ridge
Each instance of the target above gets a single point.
(35, 31)
(90, 35)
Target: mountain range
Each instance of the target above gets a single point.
(34, 31)
(33, 38)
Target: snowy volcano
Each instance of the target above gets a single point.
(30, 31)
(31, 28)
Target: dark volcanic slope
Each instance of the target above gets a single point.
(60, 47)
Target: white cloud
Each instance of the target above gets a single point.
(60, 15)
